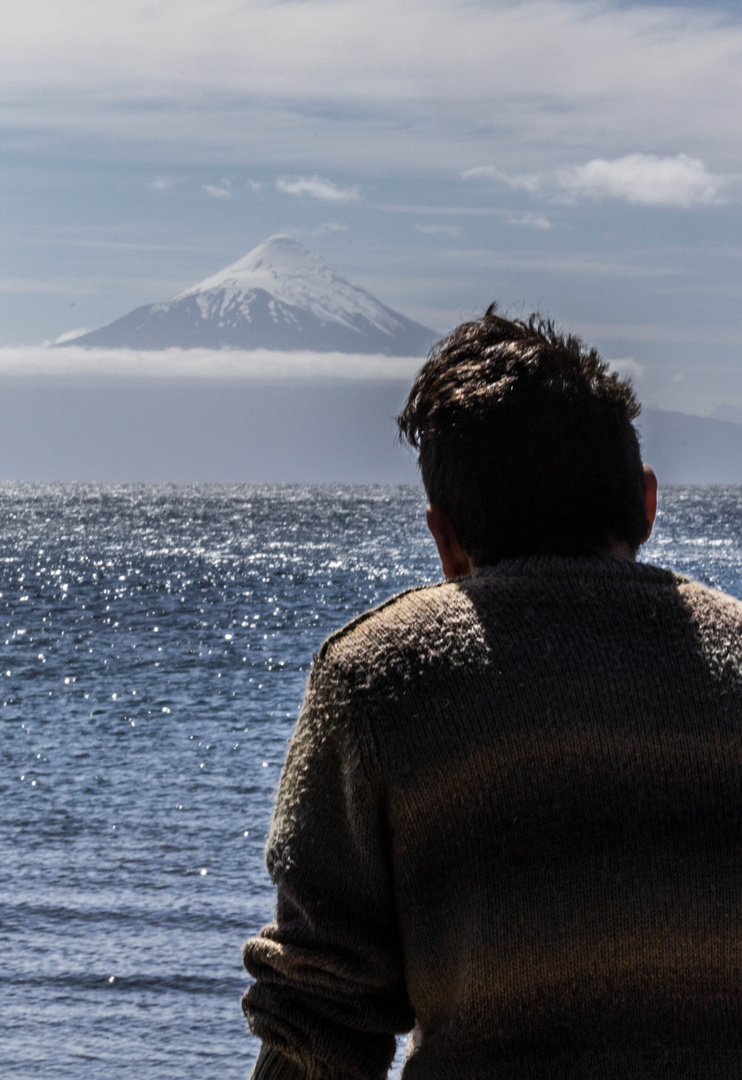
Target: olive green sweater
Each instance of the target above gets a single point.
(511, 822)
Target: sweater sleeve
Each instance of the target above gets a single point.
(329, 991)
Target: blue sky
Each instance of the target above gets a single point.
(578, 157)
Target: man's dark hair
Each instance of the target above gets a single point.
(526, 441)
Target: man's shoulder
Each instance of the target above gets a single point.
(679, 609)
(716, 616)
(697, 593)
(464, 623)
(415, 633)
(403, 617)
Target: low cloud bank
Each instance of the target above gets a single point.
(217, 364)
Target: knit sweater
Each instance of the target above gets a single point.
(511, 821)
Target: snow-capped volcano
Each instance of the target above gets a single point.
(279, 296)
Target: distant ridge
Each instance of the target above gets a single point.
(688, 449)
(732, 414)
(279, 296)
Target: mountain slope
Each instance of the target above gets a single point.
(279, 296)
(687, 449)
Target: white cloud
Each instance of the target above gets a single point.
(161, 183)
(530, 221)
(525, 181)
(318, 230)
(317, 188)
(484, 172)
(376, 82)
(644, 179)
(328, 227)
(213, 364)
(438, 230)
(70, 335)
(627, 368)
(217, 192)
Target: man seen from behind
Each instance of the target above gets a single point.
(510, 819)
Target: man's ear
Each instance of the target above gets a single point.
(454, 560)
(650, 498)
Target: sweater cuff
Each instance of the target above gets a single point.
(273, 1065)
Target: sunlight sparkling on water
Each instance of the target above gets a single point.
(156, 641)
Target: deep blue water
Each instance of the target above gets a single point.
(155, 644)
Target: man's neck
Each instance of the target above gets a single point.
(619, 551)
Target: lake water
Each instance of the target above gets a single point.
(155, 645)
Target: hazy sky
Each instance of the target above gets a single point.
(581, 157)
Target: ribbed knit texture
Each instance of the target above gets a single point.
(511, 816)
(272, 1065)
